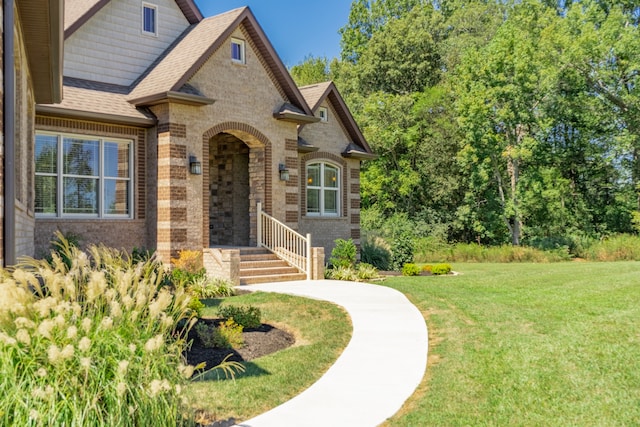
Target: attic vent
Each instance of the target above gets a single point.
(149, 19)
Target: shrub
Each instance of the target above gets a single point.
(195, 306)
(343, 254)
(247, 316)
(94, 343)
(376, 253)
(341, 273)
(440, 269)
(206, 287)
(401, 251)
(427, 268)
(227, 335)
(366, 271)
(410, 270)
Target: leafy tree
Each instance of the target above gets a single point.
(502, 91)
(311, 70)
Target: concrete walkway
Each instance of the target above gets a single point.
(379, 369)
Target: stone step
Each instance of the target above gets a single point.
(263, 264)
(259, 257)
(269, 271)
(251, 280)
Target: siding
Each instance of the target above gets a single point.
(110, 48)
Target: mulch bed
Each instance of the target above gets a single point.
(258, 342)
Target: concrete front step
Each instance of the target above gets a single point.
(270, 271)
(251, 280)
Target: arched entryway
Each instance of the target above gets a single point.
(229, 202)
(235, 180)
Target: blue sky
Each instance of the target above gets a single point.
(296, 28)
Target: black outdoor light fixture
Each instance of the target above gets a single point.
(195, 167)
(284, 172)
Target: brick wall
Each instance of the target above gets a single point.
(120, 233)
(332, 139)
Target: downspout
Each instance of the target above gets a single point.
(9, 136)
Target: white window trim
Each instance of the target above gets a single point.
(243, 51)
(323, 188)
(323, 113)
(155, 8)
(101, 178)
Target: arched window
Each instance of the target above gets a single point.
(323, 189)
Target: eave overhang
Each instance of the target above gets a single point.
(42, 24)
(173, 97)
(53, 111)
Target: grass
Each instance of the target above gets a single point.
(528, 344)
(322, 330)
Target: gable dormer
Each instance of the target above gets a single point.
(116, 41)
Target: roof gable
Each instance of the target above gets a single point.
(316, 94)
(78, 12)
(197, 46)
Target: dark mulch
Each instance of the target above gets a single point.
(258, 342)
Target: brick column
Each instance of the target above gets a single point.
(172, 190)
(317, 263)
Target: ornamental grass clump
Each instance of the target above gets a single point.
(94, 342)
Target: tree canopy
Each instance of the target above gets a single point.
(494, 121)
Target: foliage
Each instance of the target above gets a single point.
(246, 316)
(312, 70)
(343, 253)
(206, 287)
(195, 306)
(375, 251)
(401, 251)
(348, 274)
(61, 245)
(410, 270)
(441, 269)
(496, 122)
(616, 248)
(99, 331)
(366, 271)
(226, 335)
(472, 252)
(359, 273)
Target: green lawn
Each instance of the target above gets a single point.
(322, 330)
(528, 345)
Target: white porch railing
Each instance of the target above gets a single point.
(286, 243)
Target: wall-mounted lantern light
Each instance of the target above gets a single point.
(195, 167)
(284, 172)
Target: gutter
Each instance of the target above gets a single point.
(9, 227)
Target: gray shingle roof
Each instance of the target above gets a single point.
(186, 56)
(83, 97)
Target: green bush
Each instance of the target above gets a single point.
(227, 335)
(343, 254)
(440, 269)
(410, 270)
(91, 343)
(401, 251)
(341, 273)
(195, 306)
(366, 271)
(206, 287)
(376, 253)
(247, 316)
(623, 247)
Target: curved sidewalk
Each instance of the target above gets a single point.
(379, 369)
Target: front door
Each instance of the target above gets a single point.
(229, 220)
